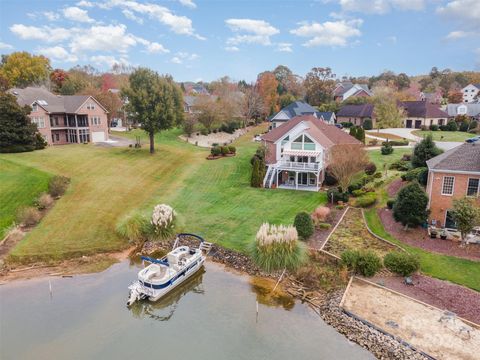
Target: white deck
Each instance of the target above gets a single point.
(300, 187)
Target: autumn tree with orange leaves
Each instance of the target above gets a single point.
(267, 86)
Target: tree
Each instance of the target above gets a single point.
(256, 179)
(285, 99)
(282, 74)
(410, 207)
(23, 69)
(423, 151)
(58, 77)
(319, 84)
(455, 97)
(112, 103)
(207, 111)
(153, 101)
(267, 86)
(189, 125)
(466, 215)
(252, 105)
(388, 114)
(346, 161)
(108, 82)
(353, 131)
(17, 132)
(360, 134)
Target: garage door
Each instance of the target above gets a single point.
(98, 136)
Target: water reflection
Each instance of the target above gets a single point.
(263, 288)
(164, 308)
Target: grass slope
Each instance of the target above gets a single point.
(445, 135)
(212, 198)
(379, 159)
(19, 186)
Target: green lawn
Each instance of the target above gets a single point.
(19, 186)
(212, 198)
(453, 269)
(379, 159)
(445, 135)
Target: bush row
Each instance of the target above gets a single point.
(367, 263)
(223, 150)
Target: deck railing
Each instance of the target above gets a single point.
(294, 165)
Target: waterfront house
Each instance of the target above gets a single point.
(63, 119)
(298, 108)
(298, 152)
(452, 175)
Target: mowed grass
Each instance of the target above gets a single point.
(19, 186)
(445, 135)
(380, 160)
(212, 198)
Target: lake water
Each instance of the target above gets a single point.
(212, 316)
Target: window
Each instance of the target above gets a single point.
(472, 188)
(95, 120)
(449, 221)
(34, 107)
(40, 121)
(90, 106)
(84, 135)
(303, 142)
(448, 183)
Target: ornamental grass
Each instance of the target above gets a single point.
(163, 222)
(277, 248)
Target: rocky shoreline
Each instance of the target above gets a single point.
(382, 346)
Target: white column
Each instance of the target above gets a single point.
(296, 180)
(276, 170)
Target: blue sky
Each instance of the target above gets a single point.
(196, 39)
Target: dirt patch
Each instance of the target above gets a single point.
(395, 186)
(352, 234)
(442, 294)
(433, 331)
(220, 138)
(320, 235)
(418, 237)
(10, 240)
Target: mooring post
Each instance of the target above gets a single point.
(256, 319)
(50, 287)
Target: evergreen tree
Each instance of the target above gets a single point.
(410, 207)
(423, 151)
(360, 134)
(353, 131)
(256, 180)
(17, 132)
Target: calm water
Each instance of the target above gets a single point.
(212, 316)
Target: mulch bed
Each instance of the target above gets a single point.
(395, 186)
(320, 235)
(441, 294)
(419, 237)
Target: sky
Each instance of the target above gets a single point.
(203, 40)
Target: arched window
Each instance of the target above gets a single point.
(303, 142)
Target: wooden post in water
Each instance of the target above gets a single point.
(50, 287)
(256, 319)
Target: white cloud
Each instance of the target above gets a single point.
(51, 16)
(330, 33)
(232, 48)
(381, 6)
(108, 60)
(130, 15)
(462, 10)
(84, 3)
(458, 34)
(45, 33)
(155, 47)
(254, 31)
(58, 53)
(284, 47)
(392, 39)
(188, 3)
(182, 57)
(103, 38)
(74, 13)
(176, 60)
(5, 46)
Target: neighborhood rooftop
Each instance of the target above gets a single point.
(296, 108)
(465, 157)
(422, 109)
(362, 110)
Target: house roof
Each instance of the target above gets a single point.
(50, 102)
(472, 109)
(325, 134)
(465, 157)
(423, 109)
(326, 115)
(361, 110)
(345, 86)
(296, 108)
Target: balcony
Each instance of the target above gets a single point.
(295, 165)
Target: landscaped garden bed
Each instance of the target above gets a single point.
(352, 234)
(322, 232)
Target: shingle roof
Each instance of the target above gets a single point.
(422, 109)
(465, 157)
(472, 109)
(325, 134)
(362, 110)
(296, 108)
(51, 102)
(326, 115)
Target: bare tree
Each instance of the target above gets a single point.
(206, 109)
(253, 106)
(345, 162)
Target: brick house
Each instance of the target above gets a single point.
(64, 119)
(356, 114)
(298, 152)
(452, 175)
(422, 113)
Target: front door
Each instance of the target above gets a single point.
(418, 124)
(408, 124)
(449, 221)
(303, 179)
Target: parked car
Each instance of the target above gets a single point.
(340, 126)
(473, 139)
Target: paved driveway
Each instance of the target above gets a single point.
(116, 141)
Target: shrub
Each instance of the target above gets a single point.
(337, 195)
(224, 150)
(232, 149)
(396, 142)
(216, 151)
(134, 228)
(411, 205)
(390, 203)
(423, 176)
(413, 174)
(424, 127)
(347, 124)
(365, 263)
(433, 127)
(423, 151)
(204, 132)
(258, 172)
(321, 213)
(377, 175)
(373, 142)
(386, 148)
(40, 142)
(370, 168)
(214, 131)
(367, 124)
(353, 131)
(359, 192)
(407, 157)
(451, 126)
(44, 201)
(277, 248)
(58, 185)
(401, 263)
(330, 180)
(464, 126)
(163, 222)
(28, 216)
(365, 200)
(324, 226)
(473, 125)
(304, 225)
(400, 165)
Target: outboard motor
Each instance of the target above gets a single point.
(132, 297)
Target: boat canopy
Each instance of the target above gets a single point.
(154, 261)
(193, 235)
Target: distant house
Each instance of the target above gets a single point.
(452, 175)
(471, 93)
(189, 102)
(356, 114)
(471, 110)
(298, 152)
(64, 119)
(433, 97)
(422, 113)
(298, 108)
(346, 89)
(195, 89)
